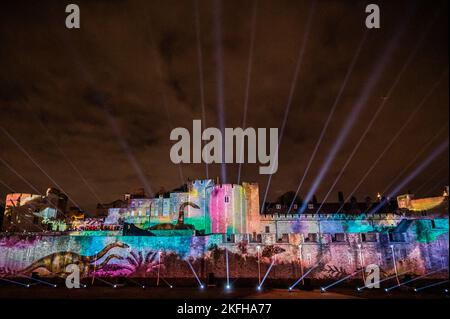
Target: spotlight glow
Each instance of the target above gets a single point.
(414, 279)
(301, 278)
(195, 274)
(431, 285)
(291, 92)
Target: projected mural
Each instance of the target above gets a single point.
(217, 228)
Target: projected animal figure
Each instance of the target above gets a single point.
(56, 263)
(180, 221)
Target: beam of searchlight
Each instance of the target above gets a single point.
(200, 71)
(68, 160)
(431, 285)
(7, 186)
(128, 152)
(23, 179)
(19, 146)
(375, 115)
(414, 279)
(291, 91)
(411, 163)
(220, 94)
(329, 118)
(157, 65)
(247, 86)
(394, 139)
(442, 147)
(439, 185)
(355, 112)
(431, 179)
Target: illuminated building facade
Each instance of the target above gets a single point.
(213, 208)
(31, 212)
(198, 226)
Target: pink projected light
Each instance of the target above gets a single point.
(217, 209)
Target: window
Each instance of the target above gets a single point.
(338, 237)
(267, 229)
(35, 220)
(433, 224)
(227, 199)
(310, 206)
(309, 259)
(231, 238)
(397, 237)
(295, 206)
(312, 237)
(369, 237)
(256, 238)
(278, 206)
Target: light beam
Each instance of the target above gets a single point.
(302, 277)
(291, 92)
(431, 285)
(36, 164)
(373, 79)
(195, 274)
(442, 147)
(329, 118)
(200, 71)
(418, 154)
(247, 85)
(393, 140)
(414, 279)
(324, 289)
(376, 114)
(267, 273)
(218, 58)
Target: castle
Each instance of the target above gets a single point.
(200, 226)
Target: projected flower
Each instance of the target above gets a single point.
(139, 264)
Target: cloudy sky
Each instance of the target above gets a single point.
(90, 110)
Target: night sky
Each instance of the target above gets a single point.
(94, 107)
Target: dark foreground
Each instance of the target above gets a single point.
(129, 292)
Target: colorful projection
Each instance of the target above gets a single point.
(29, 211)
(105, 254)
(225, 209)
(417, 205)
(95, 255)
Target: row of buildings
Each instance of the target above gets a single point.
(212, 225)
(208, 207)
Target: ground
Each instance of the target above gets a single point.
(129, 292)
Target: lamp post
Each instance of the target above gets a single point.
(361, 260)
(395, 264)
(258, 248)
(301, 261)
(159, 267)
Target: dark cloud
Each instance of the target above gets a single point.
(137, 62)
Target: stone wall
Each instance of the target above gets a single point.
(139, 256)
